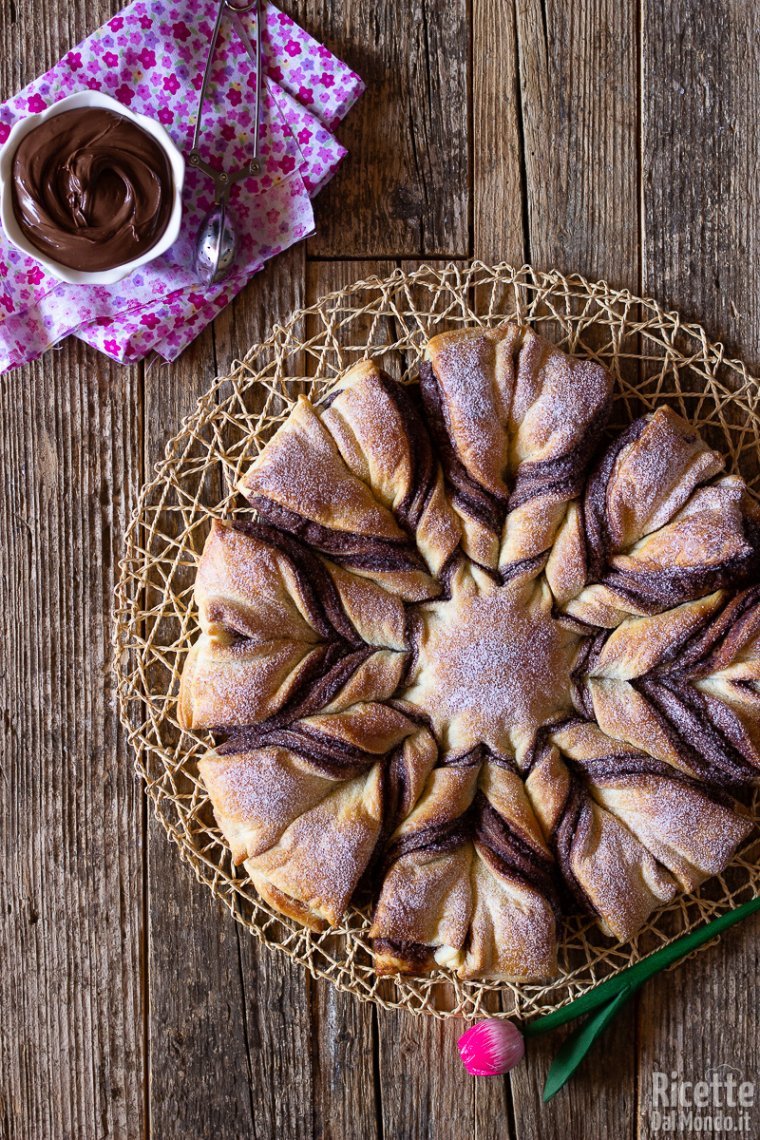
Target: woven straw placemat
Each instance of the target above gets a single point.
(654, 358)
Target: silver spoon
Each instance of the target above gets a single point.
(216, 243)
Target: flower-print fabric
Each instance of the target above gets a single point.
(151, 57)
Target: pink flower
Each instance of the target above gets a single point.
(6, 302)
(197, 299)
(228, 132)
(116, 24)
(274, 73)
(111, 347)
(150, 320)
(36, 103)
(124, 94)
(35, 275)
(293, 48)
(304, 135)
(74, 60)
(3, 269)
(287, 163)
(5, 130)
(111, 58)
(235, 96)
(147, 57)
(146, 22)
(326, 79)
(181, 31)
(272, 216)
(171, 84)
(104, 321)
(305, 94)
(490, 1048)
(165, 116)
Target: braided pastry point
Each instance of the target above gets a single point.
(468, 883)
(477, 665)
(284, 633)
(651, 532)
(357, 480)
(516, 421)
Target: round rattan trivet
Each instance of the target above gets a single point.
(653, 357)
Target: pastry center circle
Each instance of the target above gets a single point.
(492, 665)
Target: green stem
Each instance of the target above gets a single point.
(633, 976)
(577, 1045)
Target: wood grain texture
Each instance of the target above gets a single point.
(197, 1053)
(229, 1021)
(578, 76)
(405, 188)
(701, 156)
(618, 139)
(498, 165)
(575, 67)
(72, 1058)
(701, 235)
(71, 1043)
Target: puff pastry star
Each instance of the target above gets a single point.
(477, 663)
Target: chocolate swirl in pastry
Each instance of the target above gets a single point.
(468, 881)
(651, 532)
(516, 421)
(468, 668)
(685, 685)
(690, 828)
(282, 636)
(304, 807)
(357, 481)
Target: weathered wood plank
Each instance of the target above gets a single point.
(403, 190)
(497, 159)
(700, 154)
(198, 1060)
(425, 1089)
(277, 993)
(229, 1020)
(576, 69)
(344, 1041)
(71, 1048)
(701, 92)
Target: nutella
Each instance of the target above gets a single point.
(91, 189)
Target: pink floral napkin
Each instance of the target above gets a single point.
(151, 58)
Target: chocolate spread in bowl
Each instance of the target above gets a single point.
(91, 189)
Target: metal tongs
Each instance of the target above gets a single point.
(216, 244)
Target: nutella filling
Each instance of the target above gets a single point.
(91, 189)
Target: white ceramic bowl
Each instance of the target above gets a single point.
(14, 232)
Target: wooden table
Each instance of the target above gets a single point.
(618, 139)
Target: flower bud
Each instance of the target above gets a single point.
(491, 1047)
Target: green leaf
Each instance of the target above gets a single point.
(580, 1041)
(633, 976)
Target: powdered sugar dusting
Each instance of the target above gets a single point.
(489, 664)
(493, 666)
